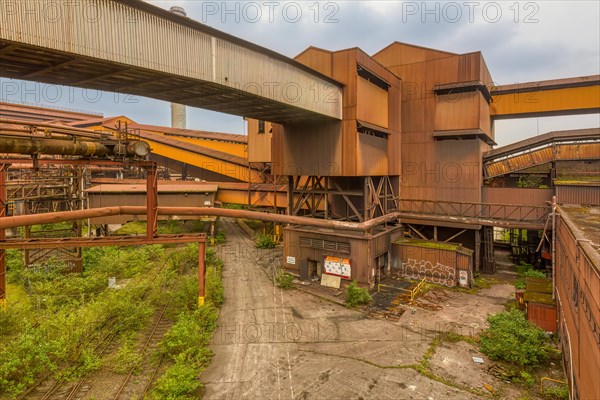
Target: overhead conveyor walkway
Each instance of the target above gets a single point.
(133, 47)
(580, 144)
(570, 96)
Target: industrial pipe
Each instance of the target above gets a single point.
(55, 217)
(85, 148)
(36, 145)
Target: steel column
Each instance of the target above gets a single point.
(3, 168)
(201, 272)
(151, 202)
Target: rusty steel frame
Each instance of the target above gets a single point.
(151, 210)
(53, 243)
(312, 193)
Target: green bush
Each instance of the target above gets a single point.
(526, 271)
(513, 339)
(219, 238)
(265, 241)
(215, 293)
(178, 383)
(356, 295)
(284, 280)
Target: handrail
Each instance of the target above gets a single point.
(512, 212)
(545, 378)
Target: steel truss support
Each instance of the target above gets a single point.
(364, 198)
(256, 190)
(380, 196)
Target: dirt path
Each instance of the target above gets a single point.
(275, 344)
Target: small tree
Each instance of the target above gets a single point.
(356, 295)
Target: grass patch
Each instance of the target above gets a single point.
(428, 244)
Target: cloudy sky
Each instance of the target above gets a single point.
(521, 42)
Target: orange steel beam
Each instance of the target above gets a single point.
(546, 98)
(230, 169)
(236, 149)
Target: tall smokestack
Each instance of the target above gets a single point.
(178, 110)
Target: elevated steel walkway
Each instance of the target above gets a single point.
(580, 144)
(569, 96)
(130, 46)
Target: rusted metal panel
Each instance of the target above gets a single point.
(516, 196)
(439, 264)
(566, 194)
(543, 315)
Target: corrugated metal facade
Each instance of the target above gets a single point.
(517, 196)
(589, 195)
(578, 297)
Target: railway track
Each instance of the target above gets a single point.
(142, 385)
(50, 388)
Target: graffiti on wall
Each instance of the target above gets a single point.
(439, 273)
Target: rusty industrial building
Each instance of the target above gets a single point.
(399, 149)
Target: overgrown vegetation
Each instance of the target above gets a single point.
(556, 392)
(526, 270)
(186, 343)
(58, 321)
(164, 227)
(512, 338)
(61, 335)
(284, 280)
(265, 241)
(356, 295)
(529, 181)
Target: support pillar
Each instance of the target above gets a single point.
(3, 200)
(201, 272)
(290, 195)
(151, 202)
(477, 250)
